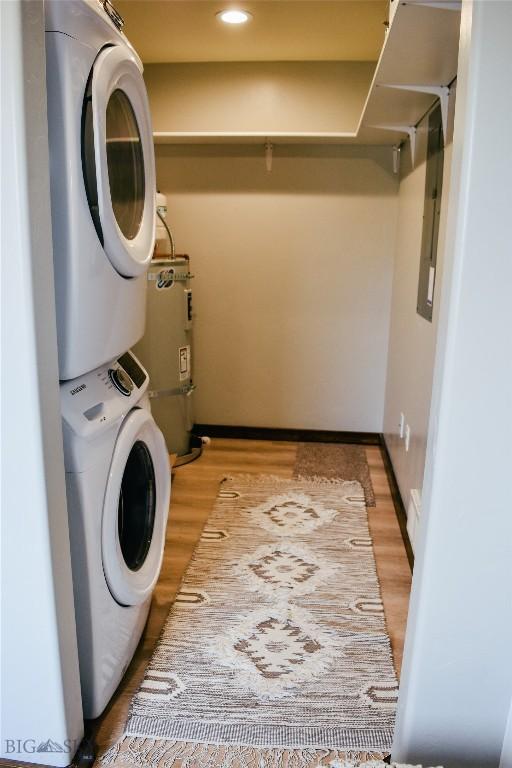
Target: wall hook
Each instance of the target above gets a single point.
(269, 150)
(410, 130)
(396, 158)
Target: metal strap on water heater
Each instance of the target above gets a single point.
(169, 274)
(186, 390)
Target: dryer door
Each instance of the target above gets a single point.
(135, 510)
(119, 161)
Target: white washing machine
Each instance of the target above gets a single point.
(102, 169)
(118, 489)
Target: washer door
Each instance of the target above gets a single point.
(135, 510)
(119, 160)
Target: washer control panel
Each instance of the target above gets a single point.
(96, 399)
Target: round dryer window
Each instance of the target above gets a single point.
(135, 509)
(125, 162)
(119, 160)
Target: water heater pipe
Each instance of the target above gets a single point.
(169, 233)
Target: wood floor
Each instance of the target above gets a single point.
(194, 491)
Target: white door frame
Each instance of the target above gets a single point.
(40, 693)
(457, 674)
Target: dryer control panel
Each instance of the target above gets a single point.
(94, 401)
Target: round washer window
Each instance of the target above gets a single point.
(136, 507)
(125, 161)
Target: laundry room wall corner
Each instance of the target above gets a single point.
(293, 280)
(40, 689)
(412, 338)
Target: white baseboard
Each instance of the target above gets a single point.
(413, 516)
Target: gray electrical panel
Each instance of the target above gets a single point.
(166, 350)
(431, 214)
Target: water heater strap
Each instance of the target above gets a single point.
(169, 275)
(186, 390)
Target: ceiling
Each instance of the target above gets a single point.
(281, 30)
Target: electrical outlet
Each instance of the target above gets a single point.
(407, 436)
(401, 425)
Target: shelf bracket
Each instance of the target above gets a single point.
(410, 130)
(441, 91)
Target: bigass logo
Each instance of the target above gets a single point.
(78, 389)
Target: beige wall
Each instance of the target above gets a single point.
(412, 339)
(268, 97)
(293, 280)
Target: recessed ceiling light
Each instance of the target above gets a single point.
(232, 16)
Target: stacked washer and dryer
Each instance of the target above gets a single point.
(103, 218)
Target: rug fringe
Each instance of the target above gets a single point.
(306, 479)
(141, 752)
(336, 481)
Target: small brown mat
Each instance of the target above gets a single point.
(335, 460)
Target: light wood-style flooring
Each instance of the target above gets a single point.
(194, 491)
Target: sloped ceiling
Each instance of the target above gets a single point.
(281, 30)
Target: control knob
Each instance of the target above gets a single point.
(121, 381)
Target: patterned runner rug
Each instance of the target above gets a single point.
(275, 652)
(335, 460)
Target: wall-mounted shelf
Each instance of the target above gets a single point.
(254, 101)
(217, 137)
(366, 136)
(420, 51)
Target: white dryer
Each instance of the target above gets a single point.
(102, 170)
(118, 489)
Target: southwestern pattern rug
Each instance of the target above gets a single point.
(335, 460)
(275, 652)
